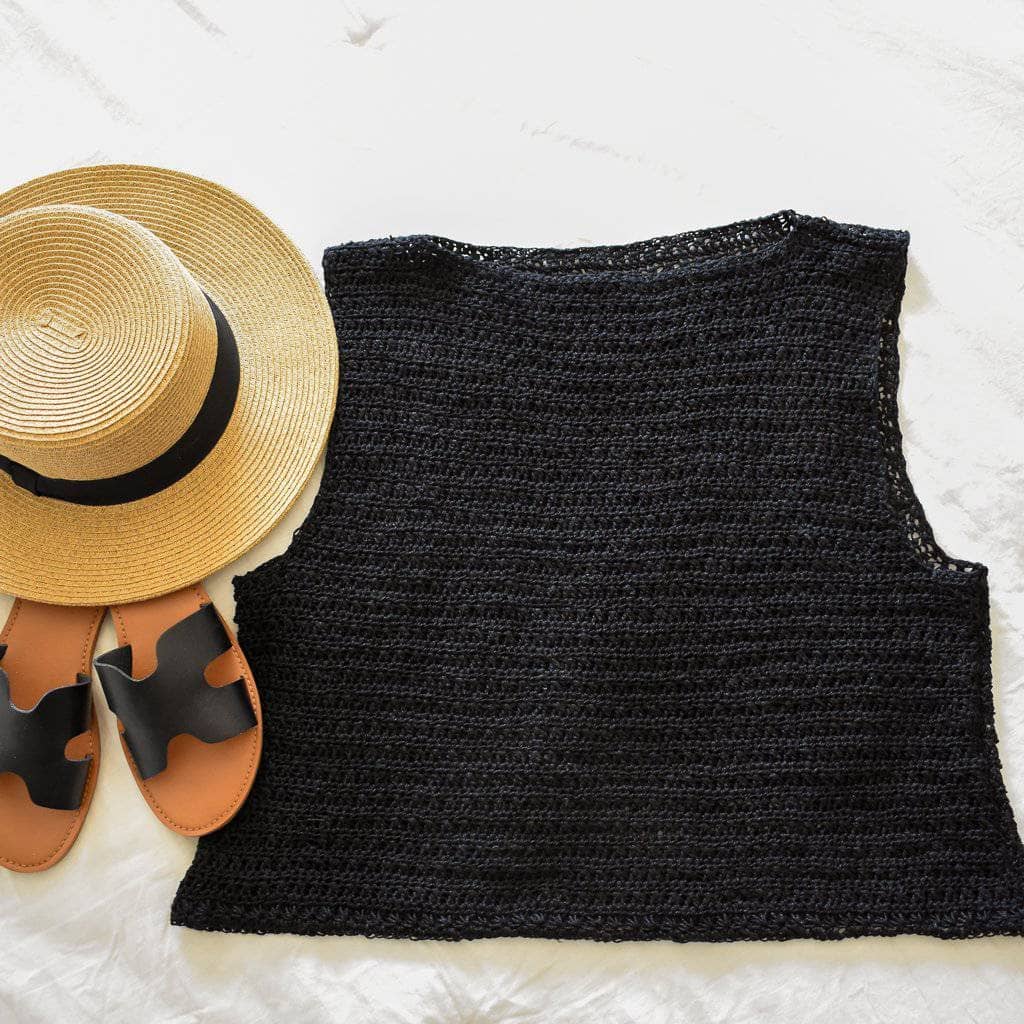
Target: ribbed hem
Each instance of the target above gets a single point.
(209, 915)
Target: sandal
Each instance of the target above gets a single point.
(49, 736)
(187, 707)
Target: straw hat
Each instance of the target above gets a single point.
(168, 373)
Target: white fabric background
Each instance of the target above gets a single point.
(554, 123)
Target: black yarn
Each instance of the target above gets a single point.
(616, 616)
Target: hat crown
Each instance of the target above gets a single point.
(107, 344)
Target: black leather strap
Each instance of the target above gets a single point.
(32, 742)
(178, 461)
(176, 698)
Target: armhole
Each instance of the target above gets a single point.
(295, 541)
(900, 494)
(304, 531)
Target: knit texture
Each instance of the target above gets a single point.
(616, 615)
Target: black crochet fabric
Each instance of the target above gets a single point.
(616, 616)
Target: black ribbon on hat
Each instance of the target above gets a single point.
(168, 468)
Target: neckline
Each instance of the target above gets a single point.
(694, 253)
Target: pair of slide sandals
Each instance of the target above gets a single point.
(187, 708)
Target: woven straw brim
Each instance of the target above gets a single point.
(63, 553)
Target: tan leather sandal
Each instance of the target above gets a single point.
(49, 736)
(187, 707)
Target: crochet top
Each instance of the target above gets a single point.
(616, 615)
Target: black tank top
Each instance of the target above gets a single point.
(616, 615)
